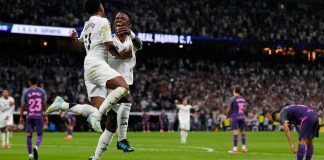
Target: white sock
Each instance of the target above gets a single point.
(185, 135)
(112, 98)
(122, 120)
(104, 140)
(3, 137)
(8, 137)
(83, 109)
(182, 135)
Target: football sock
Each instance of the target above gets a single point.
(122, 120)
(8, 137)
(182, 134)
(310, 151)
(185, 135)
(3, 138)
(39, 140)
(243, 139)
(29, 144)
(112, 98)
(82, 109)
(301, 151)
(104, 140)
(69, 132)
(235, 140)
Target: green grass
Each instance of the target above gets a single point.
(161, 146)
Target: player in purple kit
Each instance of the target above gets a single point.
(34, 101)
(236, 112)
(69, 122)
(307, 121)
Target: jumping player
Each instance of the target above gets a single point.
(34, 101)
(7, 118)
(307, 120)
(69, 122)
(236, 112)
(184, 118)
(124, 64)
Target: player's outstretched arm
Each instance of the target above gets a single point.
(288, 135)
(22, 109)
(197, 105)
(76, 43)
(176, 102)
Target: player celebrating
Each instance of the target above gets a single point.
(7, 117)
(307, 120)
(69, 122)
(125, 39)
(34, 101)
(96, 38)
(184, 118)
(235, 110)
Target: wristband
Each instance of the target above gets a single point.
(132, 35)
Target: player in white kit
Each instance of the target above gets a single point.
(184, 117)
(96, 39)
(7, 107)
(125, 40)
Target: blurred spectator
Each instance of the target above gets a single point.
(163, 120)
(171, 119)
(249, 19)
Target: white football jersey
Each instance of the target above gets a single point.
(4, 105)
(95, 33)
(123, 66)
(184, 112)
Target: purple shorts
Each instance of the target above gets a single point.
(237, 123)
(309, 127)
(32, 123)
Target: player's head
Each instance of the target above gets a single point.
(123, 18)
(5, 93)
(237, 90)
(93, 7)
(184, 101)
(32, 81)
(275, 115)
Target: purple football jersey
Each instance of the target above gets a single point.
(237, 104)
(295, 113)
(34, 99)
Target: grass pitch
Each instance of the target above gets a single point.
(161, 146)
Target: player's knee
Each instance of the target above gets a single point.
(127, 99)
(111, 124)
(29, 134)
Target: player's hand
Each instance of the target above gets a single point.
(6, 117)
(293, 148)
(123, 30)
(21, 120)
(74, 35)
(46, 120)
(176, 101)
(11, 103)
(125, 54)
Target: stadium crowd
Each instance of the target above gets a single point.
(250, 19)
(159, 81)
